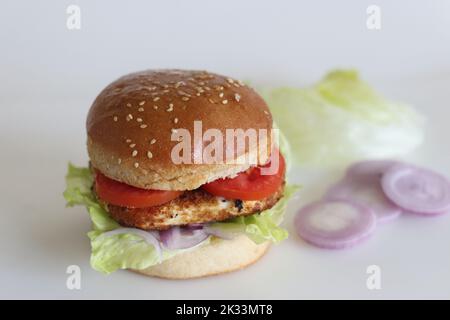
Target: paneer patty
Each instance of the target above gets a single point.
(196, 206)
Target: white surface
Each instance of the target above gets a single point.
(50, 76)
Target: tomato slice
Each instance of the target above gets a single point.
(121, 194)
(249, 185)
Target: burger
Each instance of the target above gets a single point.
(185, 179)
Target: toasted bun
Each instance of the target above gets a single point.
(131, 123)
(217, 257)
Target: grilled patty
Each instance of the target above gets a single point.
(196, 206)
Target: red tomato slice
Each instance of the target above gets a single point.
(249, 185)
(121, 194)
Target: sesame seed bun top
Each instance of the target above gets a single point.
(131, 123)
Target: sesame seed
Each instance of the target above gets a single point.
(182, 93)
(139, 119)
(141, 103)
(129, 105)
(185, 99)
(266, 112)
(141, 109)
(152, 141)
(132, 145)
(241, 83)
(119, 161)
(165, 91)
(128, 140)
(211, 100)
(129, 117)
(175, 120)
(156, 99)
(237, 97)
(230, 80)
(221, 94)
(170, 108)
(115, 118)
(134, 153)
(149, 154)
(198, 94)
(225, 101)
(143, 126)
(236, 85)
(207, 88)
(136, 164)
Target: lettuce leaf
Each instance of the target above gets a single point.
(131, 251)
(341, 119)
(78, 192)
(125, 251)
(120, 251)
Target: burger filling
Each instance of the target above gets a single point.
(248, 193)
(137, 228)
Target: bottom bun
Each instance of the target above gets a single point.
(219, 256)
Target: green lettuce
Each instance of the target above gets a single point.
(78, 191)
(131, 251)
(341, 119)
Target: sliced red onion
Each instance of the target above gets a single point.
(367, 192)
(335, 224)
(417, 190)
(225, 230)
(151, 237)
(369, 169)
(194, 226)
(182, 237)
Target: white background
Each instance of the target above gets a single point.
(49, 76)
